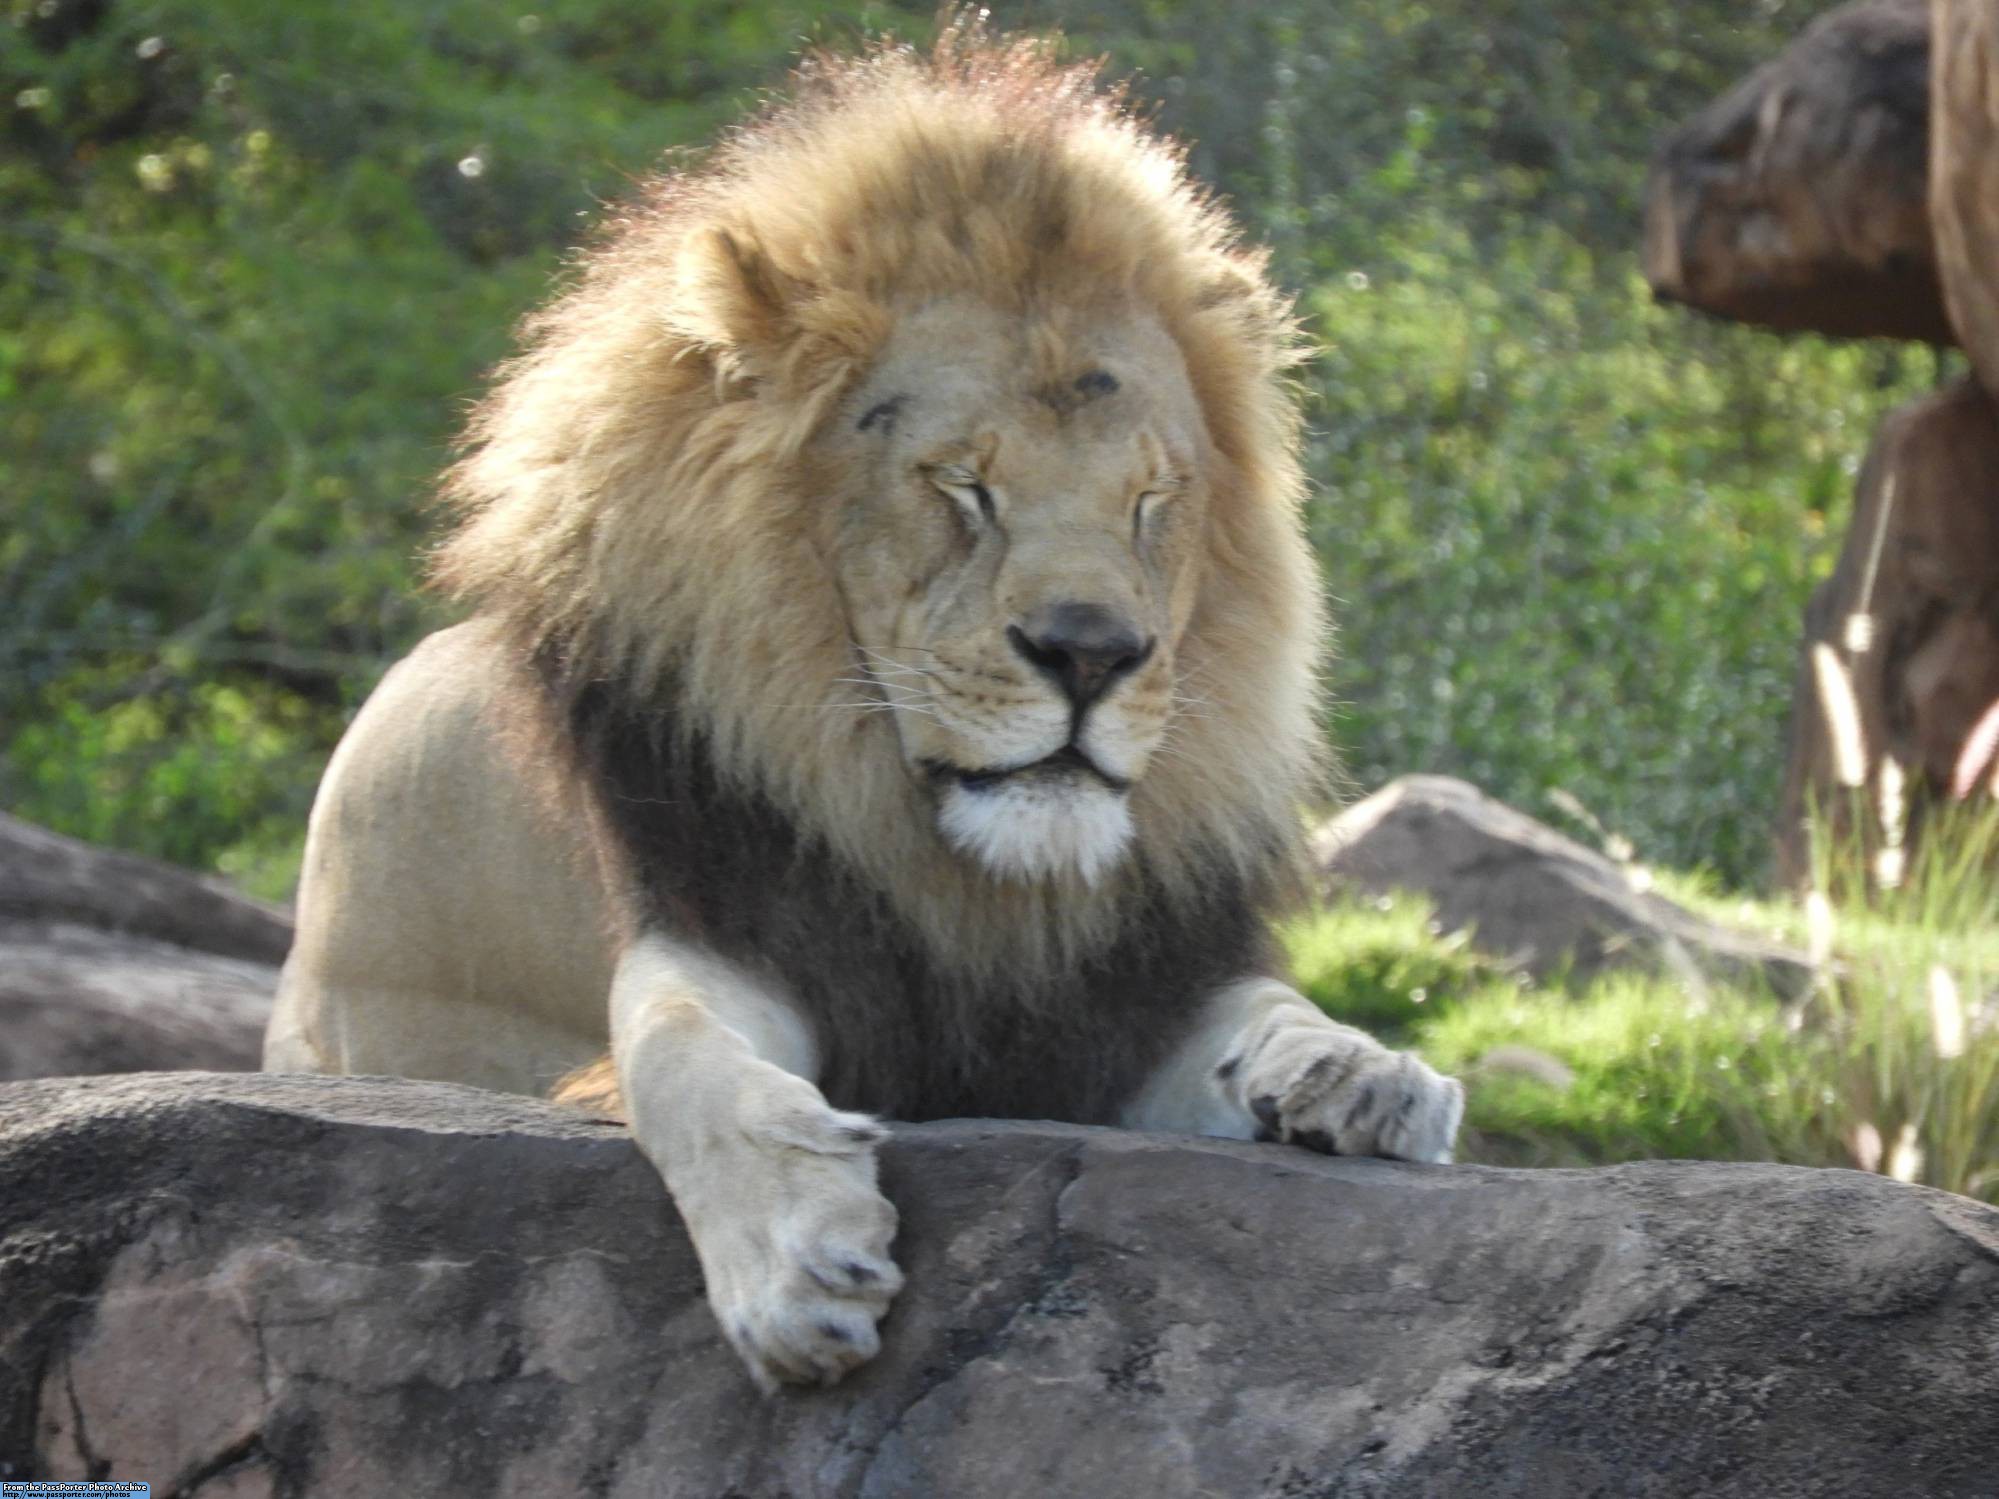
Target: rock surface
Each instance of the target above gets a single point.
(47, 877)
(1798, 199)
(1526, 893)
(1964, 176)
(284, 1286)
(1909, 614)
(114, 963)
(74, 1001)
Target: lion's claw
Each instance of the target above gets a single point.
(1338, 1091)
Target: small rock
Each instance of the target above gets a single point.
(1528, 1062)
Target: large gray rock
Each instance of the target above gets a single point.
(286, 1286)
(75, 1001)
(47, 877)
(114, 963)
(1525, 893)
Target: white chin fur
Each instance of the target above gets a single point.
(1037, 829)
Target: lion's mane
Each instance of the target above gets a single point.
(631, 497)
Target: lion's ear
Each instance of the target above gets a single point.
(732, 298)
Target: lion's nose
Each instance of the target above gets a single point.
(1082, 648)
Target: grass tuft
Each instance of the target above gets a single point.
(1891, 1064)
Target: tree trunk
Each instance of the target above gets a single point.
(1911, 619)
(1964, 174)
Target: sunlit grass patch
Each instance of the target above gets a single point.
(1890, 1064)
(1909, 1008)
(1655, 1071)
(1380, 964)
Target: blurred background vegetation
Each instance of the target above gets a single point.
(254, 258)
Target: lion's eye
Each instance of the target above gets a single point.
(1142, 514)
(966, 492)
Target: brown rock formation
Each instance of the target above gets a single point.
(1912, 613)
(1797, 200)
(47, 877)
(1526, 894)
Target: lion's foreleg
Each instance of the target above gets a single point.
(1264, 1062)
(777, 1188)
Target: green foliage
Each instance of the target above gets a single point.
(1327, 122)
(181, 774)
(1658, 1073)
(1572, 535)
(1908, 1018)
(1380, 966)
(257, 258)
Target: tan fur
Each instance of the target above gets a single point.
(593, 1087)
(451, 923)
(643, 485)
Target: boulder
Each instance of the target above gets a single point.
(114, 963)
(1527, 894)
(75, 1001)
(1964, 175)
(47, 877)
(1798, 199)
(1908, 615)
(355, 1287)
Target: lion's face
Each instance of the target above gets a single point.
(1018, 570)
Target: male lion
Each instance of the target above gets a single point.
(891, 684)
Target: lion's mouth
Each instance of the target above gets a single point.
(1066, 763)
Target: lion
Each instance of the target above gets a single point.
(890, 689)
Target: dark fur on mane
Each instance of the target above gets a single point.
(899, 1034)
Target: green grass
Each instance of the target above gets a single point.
(1381, 965)
(1891, 1063)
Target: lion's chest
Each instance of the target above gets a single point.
(901, 1034)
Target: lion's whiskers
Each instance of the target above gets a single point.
(862, 709)
(1166, 749)
(913, 699)
(1191, 704)
(886, 659)
(883, 664)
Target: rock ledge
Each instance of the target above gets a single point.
(236, 1286)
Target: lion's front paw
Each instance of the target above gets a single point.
(794, 1241)
(1335, 1089)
